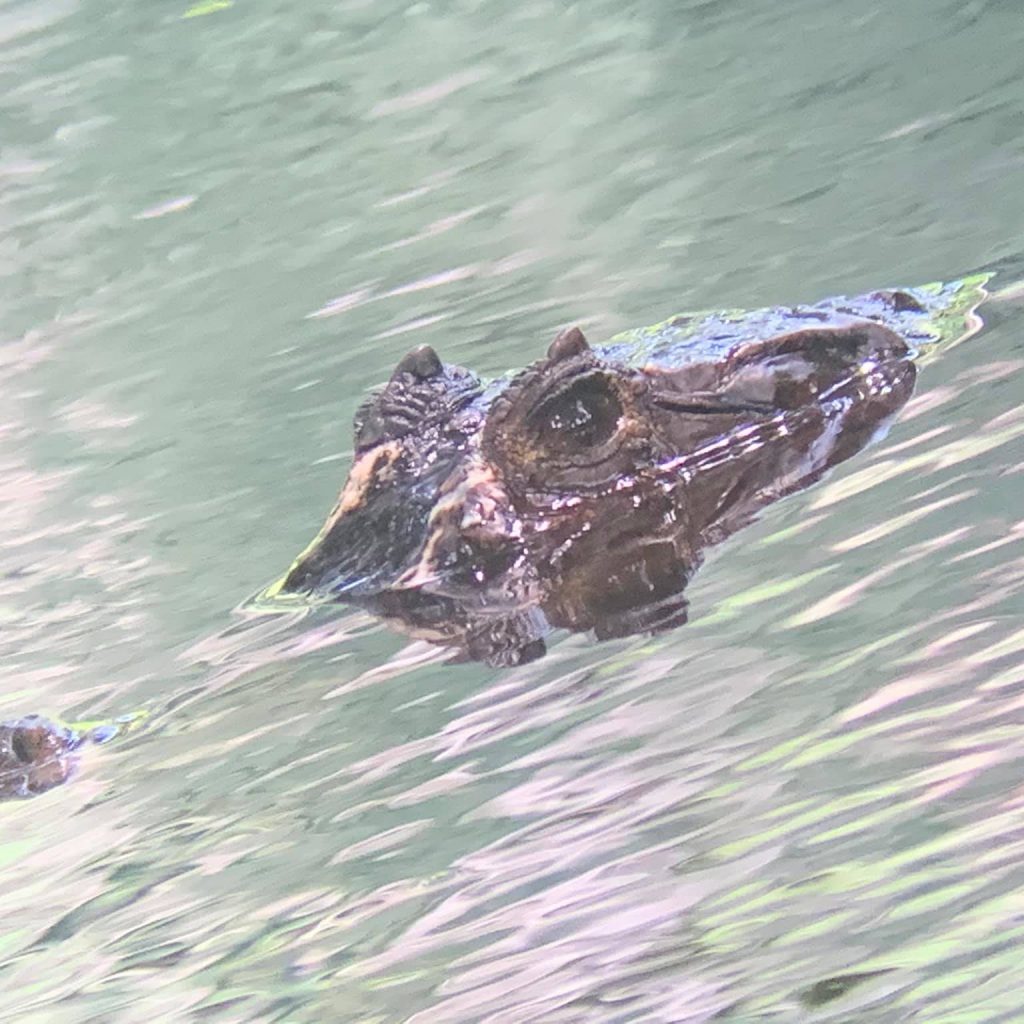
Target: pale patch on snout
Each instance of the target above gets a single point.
(474, 507)
(367, 470)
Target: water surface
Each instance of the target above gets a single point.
(216, 231)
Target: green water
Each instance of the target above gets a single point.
(215, 232)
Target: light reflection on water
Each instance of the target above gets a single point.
(805, 805)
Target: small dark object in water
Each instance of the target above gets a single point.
(36, 754)
(828, 990)
(580, 492)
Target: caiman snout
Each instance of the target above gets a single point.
(376, 530)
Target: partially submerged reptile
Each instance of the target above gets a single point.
(38, 753)
(580, 492)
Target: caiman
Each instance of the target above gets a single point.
(580, 492)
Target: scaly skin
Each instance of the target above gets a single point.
(580, 492)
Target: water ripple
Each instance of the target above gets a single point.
(215, 233)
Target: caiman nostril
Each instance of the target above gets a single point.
(422, 362)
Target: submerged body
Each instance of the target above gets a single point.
(36, 754)
(580, 492)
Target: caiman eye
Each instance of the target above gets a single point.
(568, 424)
(586, 414)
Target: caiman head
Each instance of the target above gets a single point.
(411, 442)
(580, 492)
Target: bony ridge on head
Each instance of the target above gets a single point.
(421, 362)
(568, 343)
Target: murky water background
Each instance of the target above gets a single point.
(215, 231)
